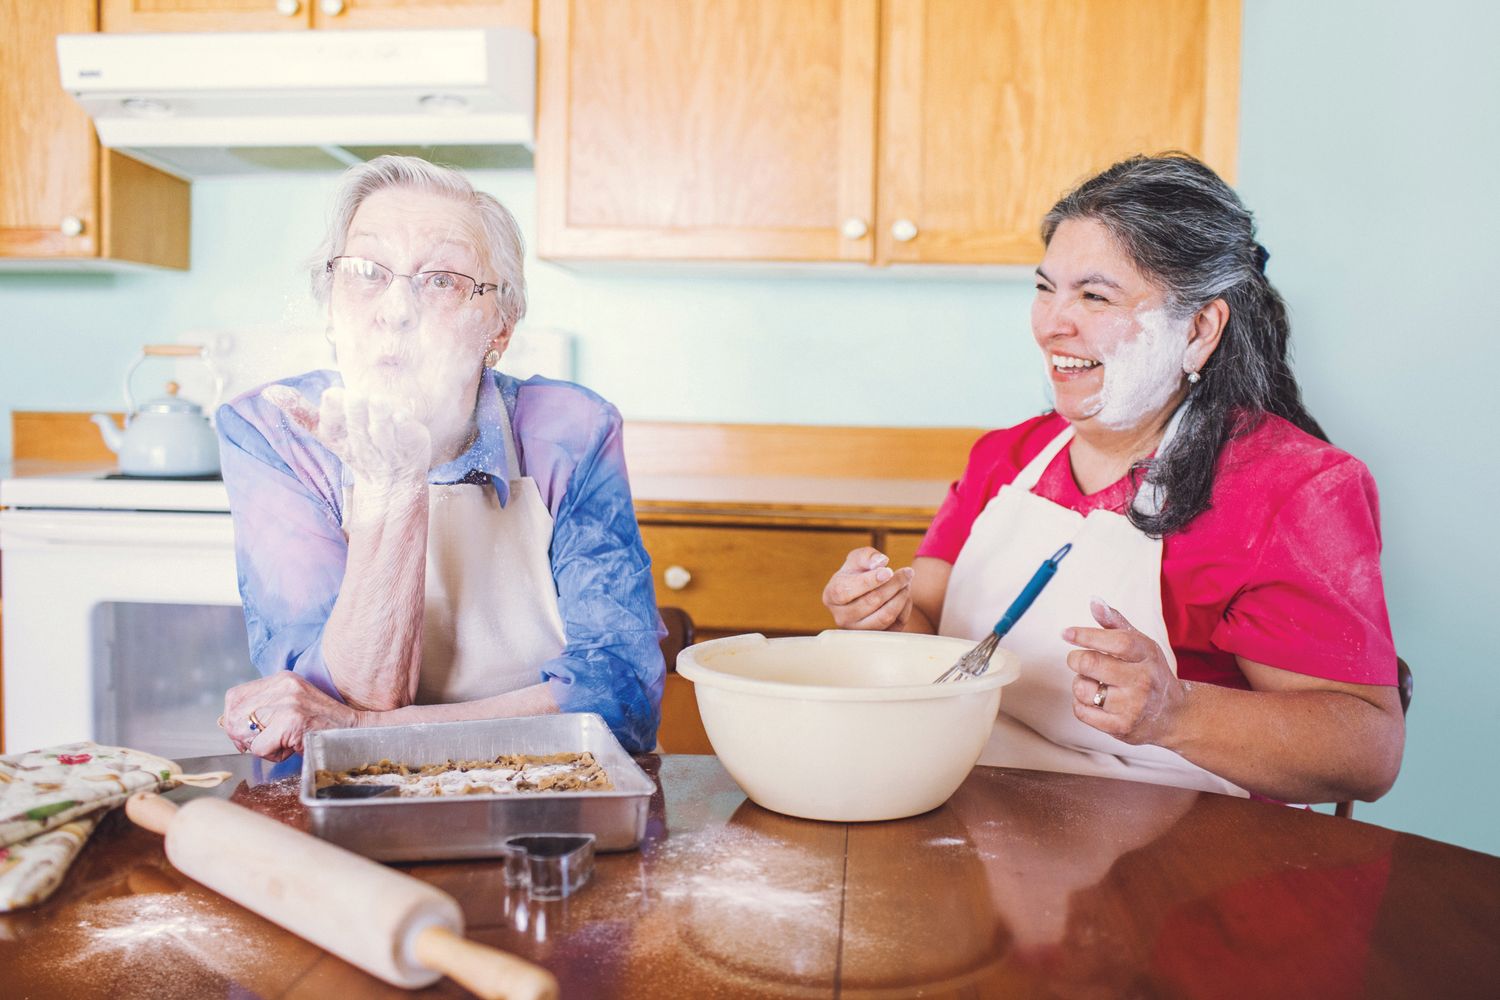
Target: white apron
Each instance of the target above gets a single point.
(1111, 559)
(491, 618)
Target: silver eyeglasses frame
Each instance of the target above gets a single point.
(479, 287)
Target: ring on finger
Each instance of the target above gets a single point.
(1101, 694)
(255, 724)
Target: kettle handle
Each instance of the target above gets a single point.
(173, 351)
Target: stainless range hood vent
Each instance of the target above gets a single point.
(234, 103)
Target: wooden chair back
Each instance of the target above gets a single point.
(681, 728)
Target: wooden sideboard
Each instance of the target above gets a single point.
(744, 522)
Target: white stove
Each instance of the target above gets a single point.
(122, 611)
(91, 489)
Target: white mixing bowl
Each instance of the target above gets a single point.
(844, 725)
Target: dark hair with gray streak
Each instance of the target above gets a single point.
(1186, 229)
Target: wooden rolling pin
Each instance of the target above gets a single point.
(387, 923)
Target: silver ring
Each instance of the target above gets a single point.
(1100, 694)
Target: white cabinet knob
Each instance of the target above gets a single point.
(288, 8)
(333, 8)
(676, 577)
(903, 230)
(71, 225)
(854, 228)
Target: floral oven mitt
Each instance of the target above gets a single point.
(51, 800)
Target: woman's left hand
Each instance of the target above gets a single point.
(286, 708)
(1124, 687)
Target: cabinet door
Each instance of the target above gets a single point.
(706, 129)
(422, 13)
(991, 109)
(204, 15)
(51, 162)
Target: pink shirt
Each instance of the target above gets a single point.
(1282, 569)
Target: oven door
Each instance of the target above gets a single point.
(120, 626)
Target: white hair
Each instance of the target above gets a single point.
(503, 249)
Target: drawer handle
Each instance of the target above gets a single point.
(903, 230)
(288, 8)
(676, 577)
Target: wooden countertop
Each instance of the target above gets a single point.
(1024, 884)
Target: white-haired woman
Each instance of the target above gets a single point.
(421, 538)
(1240, 641)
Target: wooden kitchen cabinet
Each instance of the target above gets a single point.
(742, 578)
(62, 197)
(299, 15)
(880, 131)
(724, 129)
(991, 110)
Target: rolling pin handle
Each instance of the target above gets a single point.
(488, 972)
(151, 811)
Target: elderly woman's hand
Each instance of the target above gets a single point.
(866, 593)
(286, 708)
(1124, 687)
(381, 442)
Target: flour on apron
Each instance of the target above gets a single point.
(1110, 558)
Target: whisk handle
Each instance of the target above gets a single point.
(1038, 582)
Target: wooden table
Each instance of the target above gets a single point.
(1024, 884)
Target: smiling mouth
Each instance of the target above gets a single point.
(1066, 365)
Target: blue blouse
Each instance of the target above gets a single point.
(286, 492)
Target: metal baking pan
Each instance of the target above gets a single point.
(391, 828)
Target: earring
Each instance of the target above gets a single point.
(1194, 378)
(492, 358)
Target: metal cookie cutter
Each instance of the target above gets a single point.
(549, 865)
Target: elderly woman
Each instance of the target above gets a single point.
(421, 538)
(1239, 640)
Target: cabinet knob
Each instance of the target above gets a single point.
(676, 577)
(288, 8)
(71, 225)
(903, 230)
(333, 8)
(854, 228)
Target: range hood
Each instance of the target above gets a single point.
(248, 102)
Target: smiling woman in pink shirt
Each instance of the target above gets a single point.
(1220, 621)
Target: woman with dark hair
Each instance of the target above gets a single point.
(1239, 640)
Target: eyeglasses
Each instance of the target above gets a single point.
(363, 278)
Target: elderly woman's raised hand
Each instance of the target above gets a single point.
(1125, 687)
(381, 442)
(866, 593)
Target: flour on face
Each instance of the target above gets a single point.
(1142, 373)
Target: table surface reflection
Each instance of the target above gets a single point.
(1024, 884)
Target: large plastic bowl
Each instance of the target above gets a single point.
(844, 725)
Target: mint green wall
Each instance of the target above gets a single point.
(1368, 140)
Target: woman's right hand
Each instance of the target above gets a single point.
(867, 594)
(384, 446)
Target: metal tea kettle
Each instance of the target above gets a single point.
(167, 436)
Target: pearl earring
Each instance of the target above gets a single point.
(1194, 378)
(492, 358)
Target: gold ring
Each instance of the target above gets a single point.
(255, 724)
(1100, 694)
(221, 722)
